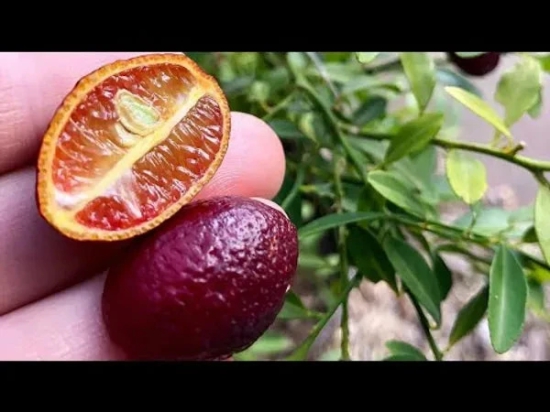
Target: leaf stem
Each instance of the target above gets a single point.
(438, 355)
(300, 353)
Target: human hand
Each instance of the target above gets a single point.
(50, 286)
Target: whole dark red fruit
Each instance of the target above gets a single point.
(206, 284)
(476, 66)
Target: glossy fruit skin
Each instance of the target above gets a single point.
(476, 66)
(208, 283)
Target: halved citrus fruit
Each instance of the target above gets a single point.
(130, 145)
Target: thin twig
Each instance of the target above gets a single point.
(438, 355)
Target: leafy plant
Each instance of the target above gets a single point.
(364, 178)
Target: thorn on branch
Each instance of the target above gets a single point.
(517, 148)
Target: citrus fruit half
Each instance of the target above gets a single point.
(131, 144)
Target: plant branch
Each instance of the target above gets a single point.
(438, 355)
(531, 165)
(280, 106)
(458, 234)
(342, 251)
(334, 125)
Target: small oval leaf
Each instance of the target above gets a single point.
(416, 275)
(335, 220)
(419, 68)
(507, 299)
(366, 57)
(469, 316)
(518, 90)
(467, 176)
(397, 347)
(414, 136)
(396, 192)
(479, 107)
(542, 220)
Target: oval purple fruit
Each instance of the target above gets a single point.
(205, 285)
(476, 66)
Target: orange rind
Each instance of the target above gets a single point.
(131, 144)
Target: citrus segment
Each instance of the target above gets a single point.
(161, 176)
(131, 144)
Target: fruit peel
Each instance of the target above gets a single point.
(204, 285)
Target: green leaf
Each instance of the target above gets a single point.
(292, 298)
(259, 91)
(373, 108)
(467, 176)
(297, 61)
(519, 89)
(396, 192)
(535, 111)
(366, 57)
(286, 129)
(416, 275)
(337, 219)
(544, 62)
(414, 136)
(270, 344)
(420, 71)
(530, 236)
(507, 300)
(448, 77)
(488, 221)
(479, 107)
(444, 276)
(397, 347)
(539, 273)
(368, 255)
(291, 310)
(424, 164)
(469, 316)
(469, 55)
(542, 220)
(536, 295)
(306, 124)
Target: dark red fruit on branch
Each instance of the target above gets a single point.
(476, 66)
(205, 285)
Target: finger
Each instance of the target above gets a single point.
(37, 261)
(32, 85)
(64, 326)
